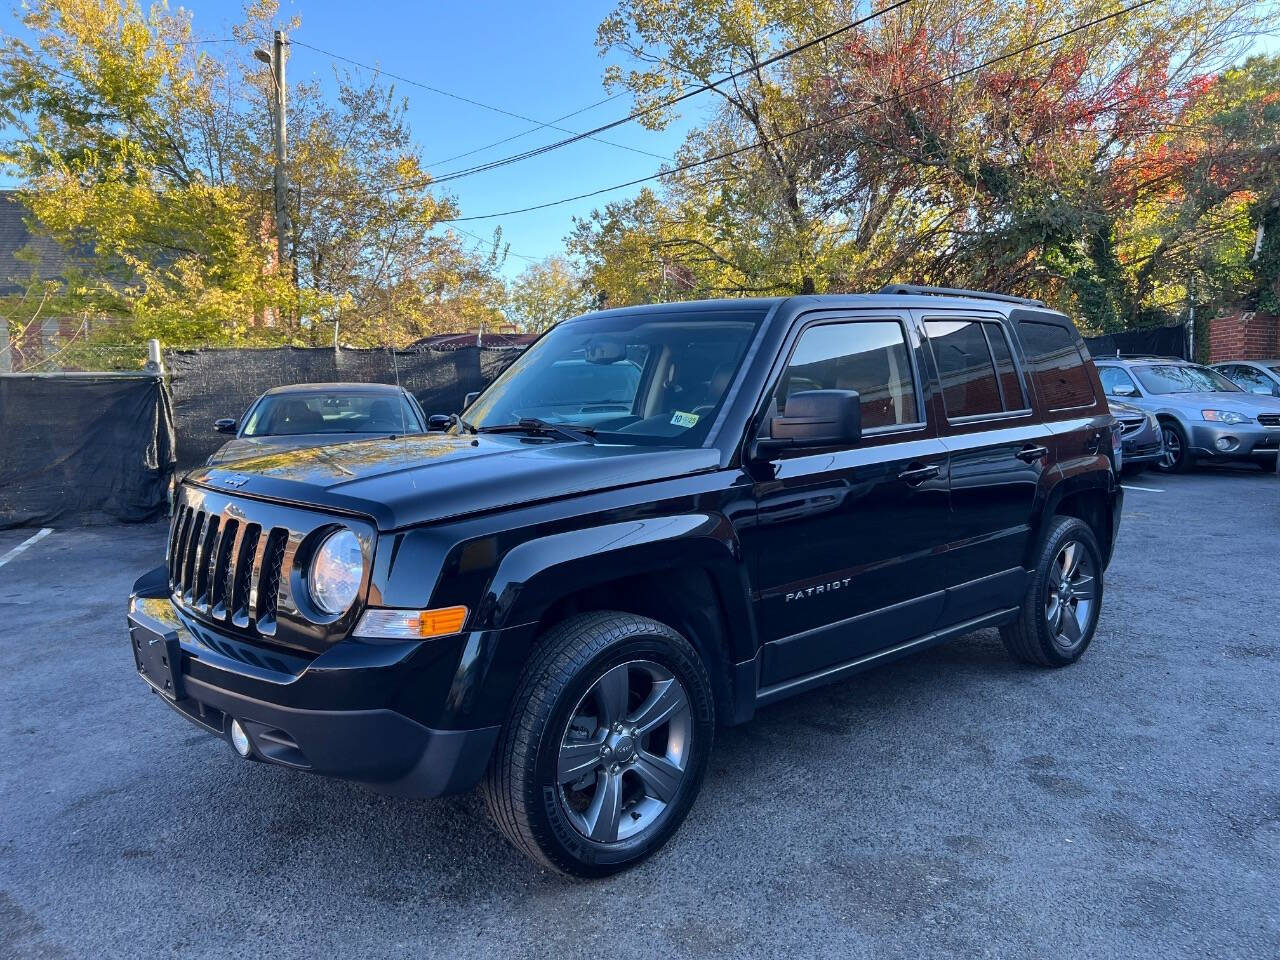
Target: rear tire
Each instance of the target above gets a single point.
(606, 744)
(1060, 611)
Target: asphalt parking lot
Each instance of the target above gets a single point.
(952, 804)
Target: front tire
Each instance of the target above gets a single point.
(1060, 611)
(606, 744)
(1177, 449)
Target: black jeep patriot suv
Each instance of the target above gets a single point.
(658, 518)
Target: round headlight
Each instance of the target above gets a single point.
(336, 572)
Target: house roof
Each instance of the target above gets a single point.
(42, 255)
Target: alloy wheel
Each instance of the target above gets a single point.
(624, 751)
(1070, 600)
(1172, 448)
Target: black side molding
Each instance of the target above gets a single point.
(780, 691)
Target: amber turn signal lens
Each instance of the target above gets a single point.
(383, 624)
(442, 622)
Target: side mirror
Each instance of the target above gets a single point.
(1124, 390)
(815, 418)
(225, 425)
(470, 398)
(439, 421)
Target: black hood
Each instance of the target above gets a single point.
(418, 479)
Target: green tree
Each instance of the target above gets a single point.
(138, 144)
(545, 293)
(892, 154)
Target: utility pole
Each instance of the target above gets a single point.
(284, 225)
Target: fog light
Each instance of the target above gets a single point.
(239, 739)
(1225, 443)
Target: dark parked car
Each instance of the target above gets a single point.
(312, 414)
(1140, 433)
(562, 596)
(1202, 414)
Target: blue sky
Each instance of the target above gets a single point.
(535, 59)
(538, 60)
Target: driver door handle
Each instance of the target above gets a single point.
(914, 476)
(1031, 454)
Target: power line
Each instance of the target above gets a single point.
(671, 101)
(476, 236)
(812, 126)
(524, 133)
(644, 111)
(475, 103)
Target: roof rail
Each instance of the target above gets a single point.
(912, 288)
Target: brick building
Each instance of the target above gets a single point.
(1244, 335)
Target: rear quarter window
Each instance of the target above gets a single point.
(1056, 365)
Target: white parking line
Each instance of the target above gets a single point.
(30, 541)
(1143, 489)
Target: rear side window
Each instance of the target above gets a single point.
(869, 356)
(1011, 392)
(963, 351)
(1056, 365)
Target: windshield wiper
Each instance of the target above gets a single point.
(574, 431)
(456, 419)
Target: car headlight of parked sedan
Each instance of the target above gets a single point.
(1225, 416)
(336, 572)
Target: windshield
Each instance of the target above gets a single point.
(1183, 378)
(646, 378)
(286, 415)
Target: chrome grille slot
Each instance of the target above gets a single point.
(194, 538)
(231, 562)
(243, 583)
(175, 536)
(180, 553)
(1128, 427)
(269, 582)
(223, 571)
(1269, 419)
(204, 560)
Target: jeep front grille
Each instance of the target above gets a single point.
(219, 564)
(231, 561)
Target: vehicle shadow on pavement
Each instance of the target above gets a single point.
(428, 851)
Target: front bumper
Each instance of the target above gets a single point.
(1140, 452)
(401, 717)
(1244, 440)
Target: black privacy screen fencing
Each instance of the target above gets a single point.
(84, 448)
(212, 383)
(1153, 342)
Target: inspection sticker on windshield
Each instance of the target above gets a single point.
(682, 419)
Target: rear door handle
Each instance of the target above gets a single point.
(914, 476)
(1032, 454)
